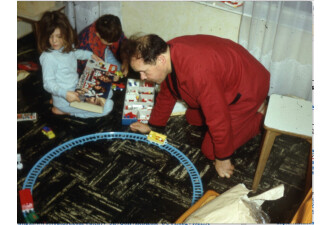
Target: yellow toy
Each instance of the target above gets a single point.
(156, 137)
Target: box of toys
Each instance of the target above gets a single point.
(139, 100)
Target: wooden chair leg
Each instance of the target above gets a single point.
(265, 151)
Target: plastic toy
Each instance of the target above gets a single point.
(19, 162)
(132, 97)
(139, 97)
(48, 132)
(26, 200)
(27, 206)
(33, 174)
(28, 66)
(31, 217)
(26, 116)
(130, 115)
(119, 74)
(147, 100)
(118, 86)
(147, 84)
(156, 137)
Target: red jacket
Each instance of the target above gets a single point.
(211, 71)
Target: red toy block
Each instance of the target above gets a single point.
(28, 66)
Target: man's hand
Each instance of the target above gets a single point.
(140, 127)
(72, 96)
(224, 168)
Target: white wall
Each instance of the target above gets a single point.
(170, 19)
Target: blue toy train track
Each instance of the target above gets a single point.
(38, 167)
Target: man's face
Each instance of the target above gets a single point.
(150, 72)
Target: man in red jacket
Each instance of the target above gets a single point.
(224, 86)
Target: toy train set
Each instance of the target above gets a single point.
(153, 138)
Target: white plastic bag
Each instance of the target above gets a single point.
(233, 206)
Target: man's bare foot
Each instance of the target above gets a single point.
(263, 108)
(58, 112)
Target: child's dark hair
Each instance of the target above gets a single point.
(47, 25)
(109, 28)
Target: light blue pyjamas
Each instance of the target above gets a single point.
(59, 71)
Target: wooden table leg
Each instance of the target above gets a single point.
(264, 154)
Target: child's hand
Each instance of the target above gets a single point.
(124, 69)
(116, 78)
(72, 96)
(96, 58)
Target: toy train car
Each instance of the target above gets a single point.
(157, 138)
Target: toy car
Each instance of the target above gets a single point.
(118, 86)
(48, 132)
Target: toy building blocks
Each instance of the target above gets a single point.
(139, 99)
(28, 66)
(130, 115)
(48, 132)
(147, 84)
(133, 83)
(144, 116)
(19, 162)
(156, 137)
(26, 116)
(119, 74)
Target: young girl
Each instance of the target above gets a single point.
(57, 41)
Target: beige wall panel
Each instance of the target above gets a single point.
(33, 8)
(23, 29)
(171, 19)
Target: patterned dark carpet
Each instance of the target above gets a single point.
(124, 181)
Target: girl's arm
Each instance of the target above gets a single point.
(49, 68)
(85, 54)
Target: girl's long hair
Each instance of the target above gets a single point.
(47, 25)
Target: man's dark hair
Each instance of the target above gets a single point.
(147, 47)
(109, 28)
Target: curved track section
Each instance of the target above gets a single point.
(38, 167)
